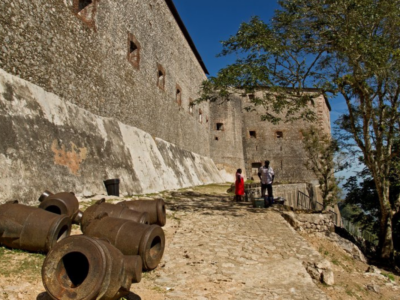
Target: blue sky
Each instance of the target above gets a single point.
(210, 22)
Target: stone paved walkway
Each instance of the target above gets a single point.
(224, 250)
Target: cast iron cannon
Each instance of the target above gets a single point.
(113, 210)
(30, 228)
(61, 204)
(155, 209)
(84, 268)
(147, 241)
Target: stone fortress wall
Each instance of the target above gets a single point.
(133, 62)
(226, 141)
(281, 144)
(119, 59)
(48, 143)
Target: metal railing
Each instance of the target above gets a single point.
(305, 202)
(357, 232)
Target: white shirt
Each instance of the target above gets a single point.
(266, 175)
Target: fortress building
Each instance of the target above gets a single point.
(91, 90)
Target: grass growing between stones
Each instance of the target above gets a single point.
(14, 262)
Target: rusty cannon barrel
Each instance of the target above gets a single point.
(147, 241)
(62, 204)
(155, 209)
(30, 228)
(84, 268)
(113, 210)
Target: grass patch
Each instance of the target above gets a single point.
(158, 289)
(17, 262)
(335, 262)
(389, 276)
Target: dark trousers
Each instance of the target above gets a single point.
(270, 198)
(267, 187)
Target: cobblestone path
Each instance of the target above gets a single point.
(225, 250)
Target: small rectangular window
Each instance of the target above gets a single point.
(178, 95)
(279, 134)
(200, 116)
(86, 11)
(191, 106)
(220, 126)
(160, 77)
(253, 134)
(133, 51)
(255, 167)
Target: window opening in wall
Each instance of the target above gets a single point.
(190, 106)
(86, 11)
(216, 138)
(83, 3)
(133, 50)
(160, 77)
(253, 134)
(255, 167)
(200, 116)
(251, 96)
(220, 126)
(206, 119)
(281, 164)
(281, 148)
(178, 95)
(279, 134)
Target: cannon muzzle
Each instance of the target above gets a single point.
(84, 268)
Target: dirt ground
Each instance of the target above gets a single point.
(351, 279)
(20, 271)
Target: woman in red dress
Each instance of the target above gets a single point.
(239, 185)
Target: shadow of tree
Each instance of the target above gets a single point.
(198, 202)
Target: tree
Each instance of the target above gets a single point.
(349, 48)
(323, 159)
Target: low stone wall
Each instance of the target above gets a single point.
(50, 143)
(287, 191)
(310, 222)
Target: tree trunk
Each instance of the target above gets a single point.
(386, 232)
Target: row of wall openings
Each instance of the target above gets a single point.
(253, 133)
(134, 59)
(85, 10)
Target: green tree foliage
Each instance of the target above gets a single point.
(340, 47)
(323, 159)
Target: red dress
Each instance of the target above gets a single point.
(239, 185)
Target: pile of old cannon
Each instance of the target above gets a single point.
(119, 241)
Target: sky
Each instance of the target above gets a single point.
(211, 21)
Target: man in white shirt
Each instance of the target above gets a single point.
(267, 176)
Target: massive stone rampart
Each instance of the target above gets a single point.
(119, 59)
(49, 143)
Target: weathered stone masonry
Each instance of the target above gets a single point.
(240, 138)
(134, 62)
(85, 55)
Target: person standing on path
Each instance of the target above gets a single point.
(239, 185)
(267, 176)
